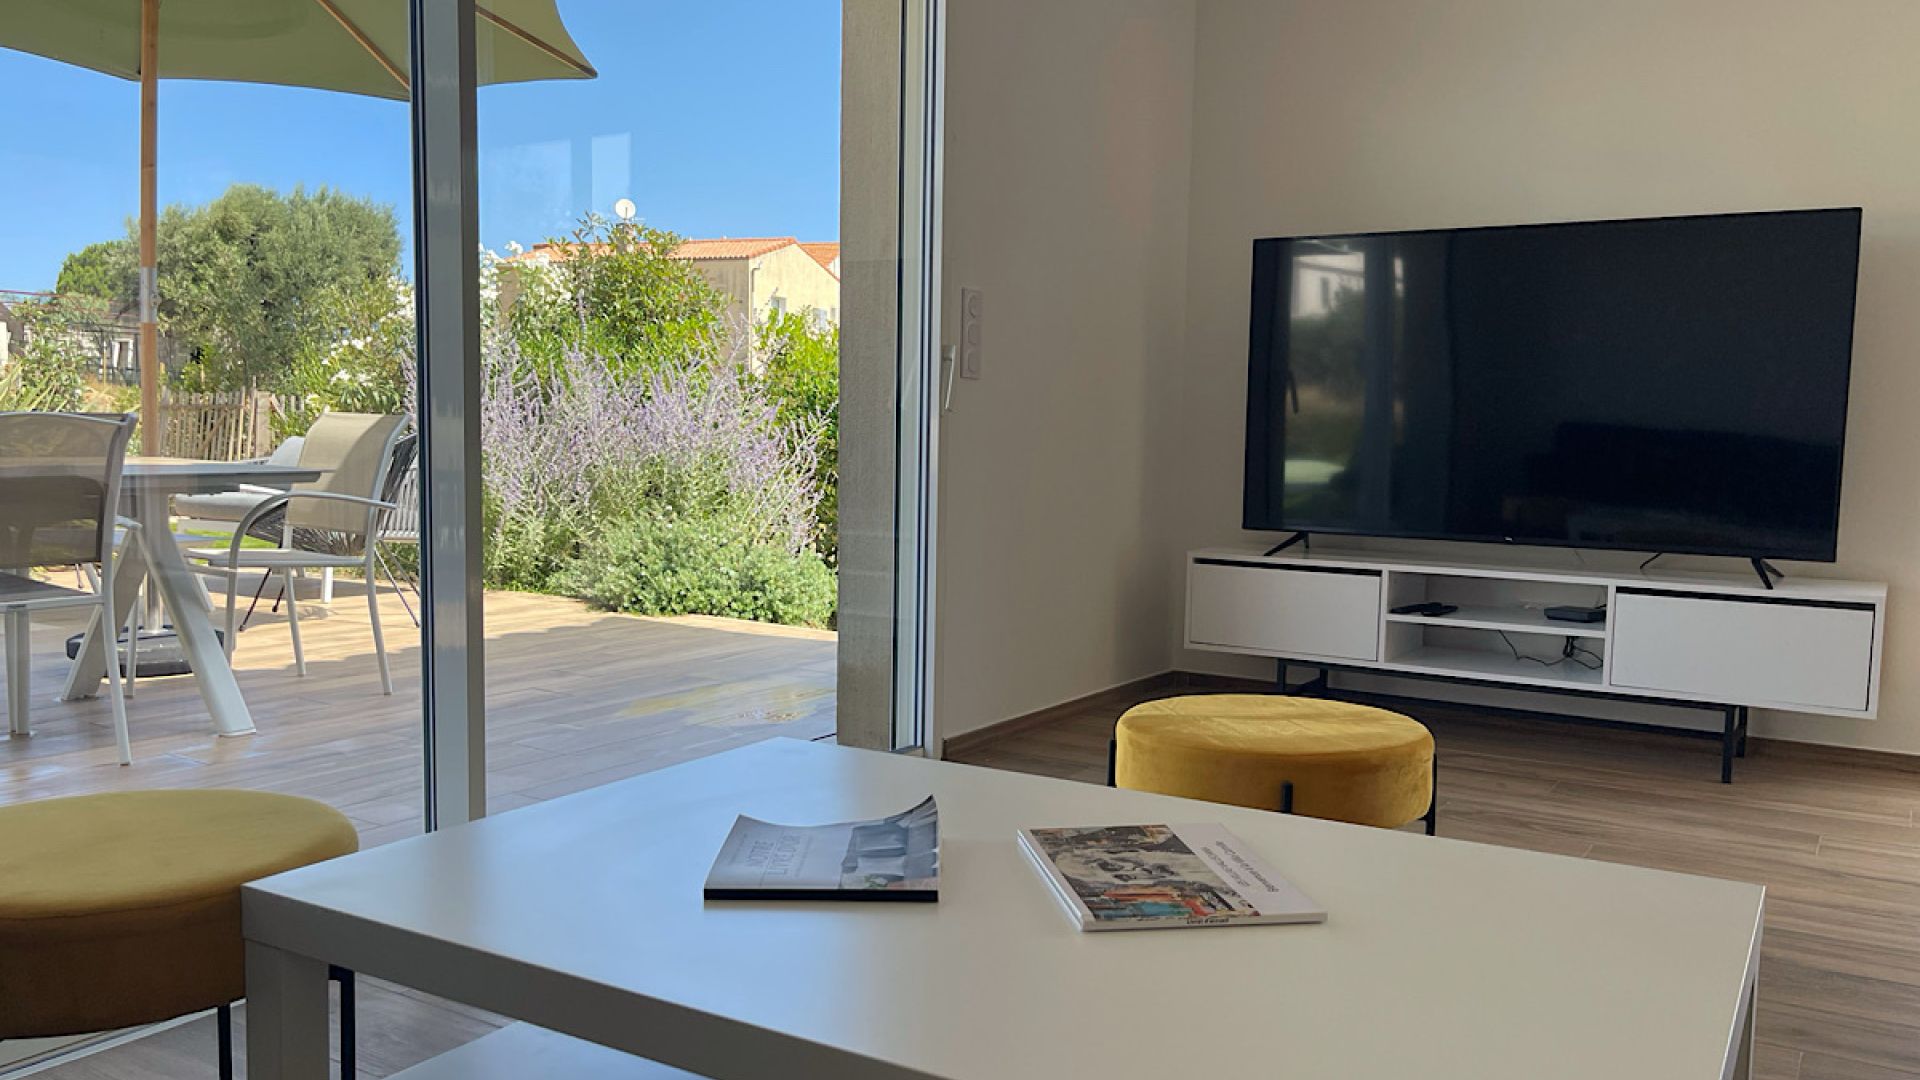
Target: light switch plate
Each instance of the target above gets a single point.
(972, 307)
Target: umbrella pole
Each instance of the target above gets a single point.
(153, 424)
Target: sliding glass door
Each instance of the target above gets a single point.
(676, 386)
(253, 196)
(890, 373)
(639, 344)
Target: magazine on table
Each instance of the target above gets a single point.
(1142, 877)
(890, 858)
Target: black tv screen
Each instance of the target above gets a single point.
(1668, 384)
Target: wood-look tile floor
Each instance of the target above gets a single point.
(1832, 835)
(575, 698)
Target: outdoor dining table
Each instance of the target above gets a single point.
(147, 487)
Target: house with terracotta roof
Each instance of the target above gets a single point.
(826, 253)
(770, 275)
(758, 275)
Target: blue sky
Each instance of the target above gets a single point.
(717, 118)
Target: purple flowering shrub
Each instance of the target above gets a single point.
(673, 486)
(584, 476)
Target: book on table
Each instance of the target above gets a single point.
(1143, 877)
(890, 858)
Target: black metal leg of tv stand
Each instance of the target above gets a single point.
(1767, 571)
(1287, 543)
(1729, 738)
(1733, 732)
(1315, 685)
(1733, 740)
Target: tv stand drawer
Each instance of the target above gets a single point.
(1283, 611)
(1783, 652)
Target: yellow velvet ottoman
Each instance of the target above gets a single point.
(124, 908)
(1332, 759)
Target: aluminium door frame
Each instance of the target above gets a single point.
(447, 284)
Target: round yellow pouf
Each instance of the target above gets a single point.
(1346, 762)
(124, 908)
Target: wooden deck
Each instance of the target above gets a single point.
(575, 698)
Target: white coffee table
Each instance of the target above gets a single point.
(584, 916)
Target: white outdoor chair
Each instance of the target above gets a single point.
(224, 509)
(401, 525)
(59, 496)
(221, 511)
(330, 523)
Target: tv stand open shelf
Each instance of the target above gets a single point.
(1486, 664)
(1511, 618)
(1721, 642)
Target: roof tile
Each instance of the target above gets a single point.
(824, 252)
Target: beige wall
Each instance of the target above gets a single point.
(729, 276)
(788, 273)
(1066, 202)
(792, 275)
(1315, 116)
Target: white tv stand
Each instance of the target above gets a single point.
(1716, 641)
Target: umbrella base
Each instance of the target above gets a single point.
(159, 652)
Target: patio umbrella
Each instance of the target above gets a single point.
(353, 46)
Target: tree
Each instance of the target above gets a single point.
(358, 360)
(615, 291)
(243, 279)
(104, 271)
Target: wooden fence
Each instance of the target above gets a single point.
(229, 425)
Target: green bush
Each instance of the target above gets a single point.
(660, 564)
(529, 552)
(362, 362)
(614, 290)
(47, 372)
(800, 369)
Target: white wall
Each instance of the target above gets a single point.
(1067, 145)
(1315, 116)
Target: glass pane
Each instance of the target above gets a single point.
(283, 296)
(286, 330)
(660, 411)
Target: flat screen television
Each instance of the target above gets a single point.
(1660, 385)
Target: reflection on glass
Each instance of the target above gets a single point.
(1327, 390)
